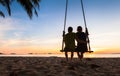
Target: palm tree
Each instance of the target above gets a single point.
(30, 6)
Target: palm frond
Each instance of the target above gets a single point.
(35, 11)
(2, 2)
(2, 14)
(36, 3)
(7, 5)
(29, 6)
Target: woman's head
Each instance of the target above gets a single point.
(79, 29)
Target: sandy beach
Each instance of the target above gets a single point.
(57, 66)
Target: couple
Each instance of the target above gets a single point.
(69, 40)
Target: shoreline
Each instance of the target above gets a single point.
(62, 55)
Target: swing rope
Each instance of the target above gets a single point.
(86, 29)
(64, 24)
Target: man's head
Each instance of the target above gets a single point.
(70, 29)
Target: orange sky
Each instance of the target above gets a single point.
(37, 50)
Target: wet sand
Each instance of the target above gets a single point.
(57, 66)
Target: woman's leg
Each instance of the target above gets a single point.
(82, 55)
(66, 55)
(72, 54)
(79, 56)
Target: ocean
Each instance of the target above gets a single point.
(90, 55)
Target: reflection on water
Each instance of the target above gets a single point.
(90, 55)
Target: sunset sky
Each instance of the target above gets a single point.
(43, 34)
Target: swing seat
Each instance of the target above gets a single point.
(68, 50)
(75, 51)
(61, 50)
(90, 51)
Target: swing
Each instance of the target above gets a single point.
(86, 29)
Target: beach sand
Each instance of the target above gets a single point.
(57, 66)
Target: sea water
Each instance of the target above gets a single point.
(90, 55)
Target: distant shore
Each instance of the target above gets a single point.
(87, 55)
(58, 66)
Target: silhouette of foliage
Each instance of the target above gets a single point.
(30, 6)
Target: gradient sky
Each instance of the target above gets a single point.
(43, 34)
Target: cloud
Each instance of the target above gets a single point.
(10, 29)
(7, 25)
(13, 34)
